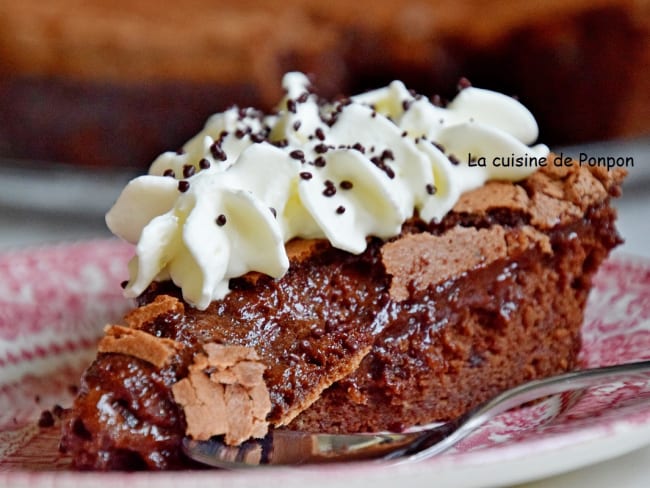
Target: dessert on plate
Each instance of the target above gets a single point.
(371, 263)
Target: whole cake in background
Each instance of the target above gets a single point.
(367, 264)
(78, 79)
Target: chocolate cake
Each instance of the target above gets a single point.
(411, 328)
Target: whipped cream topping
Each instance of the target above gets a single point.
(249, 182)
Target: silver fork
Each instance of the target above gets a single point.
(286, 447)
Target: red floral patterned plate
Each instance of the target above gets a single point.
(55, 300)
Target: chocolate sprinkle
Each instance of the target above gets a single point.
(320, 134)
(291, 106)
(204, 164)
(320, 162)
(188, 170)
(296, 125)
(183, 186)
(273, 211)
(217, 152)
(431, 189)
(346, 185)
(321, 148)
(221, 220)
(297, 154)
(454, 160)
(438, 146)
(330, 189)
(340, 209)
(169, 172)
(306, 175)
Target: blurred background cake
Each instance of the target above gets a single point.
(114, 83)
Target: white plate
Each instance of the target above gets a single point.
(55, 300)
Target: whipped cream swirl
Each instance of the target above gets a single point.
(227, 203)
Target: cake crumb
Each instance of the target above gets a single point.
(46, 419)
(526, 237)
(583, 189)
(547, 212)
(124, 340)
(492, 195)
(163, 304)
(225, 393)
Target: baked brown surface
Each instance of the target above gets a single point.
(414, 330)
(77, 79)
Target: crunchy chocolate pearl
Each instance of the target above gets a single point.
(330, 189)
(217, 152)
(346, 185)
(320, 162)
(188, 170)
(297, 154)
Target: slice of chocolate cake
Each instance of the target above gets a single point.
(340, 267)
